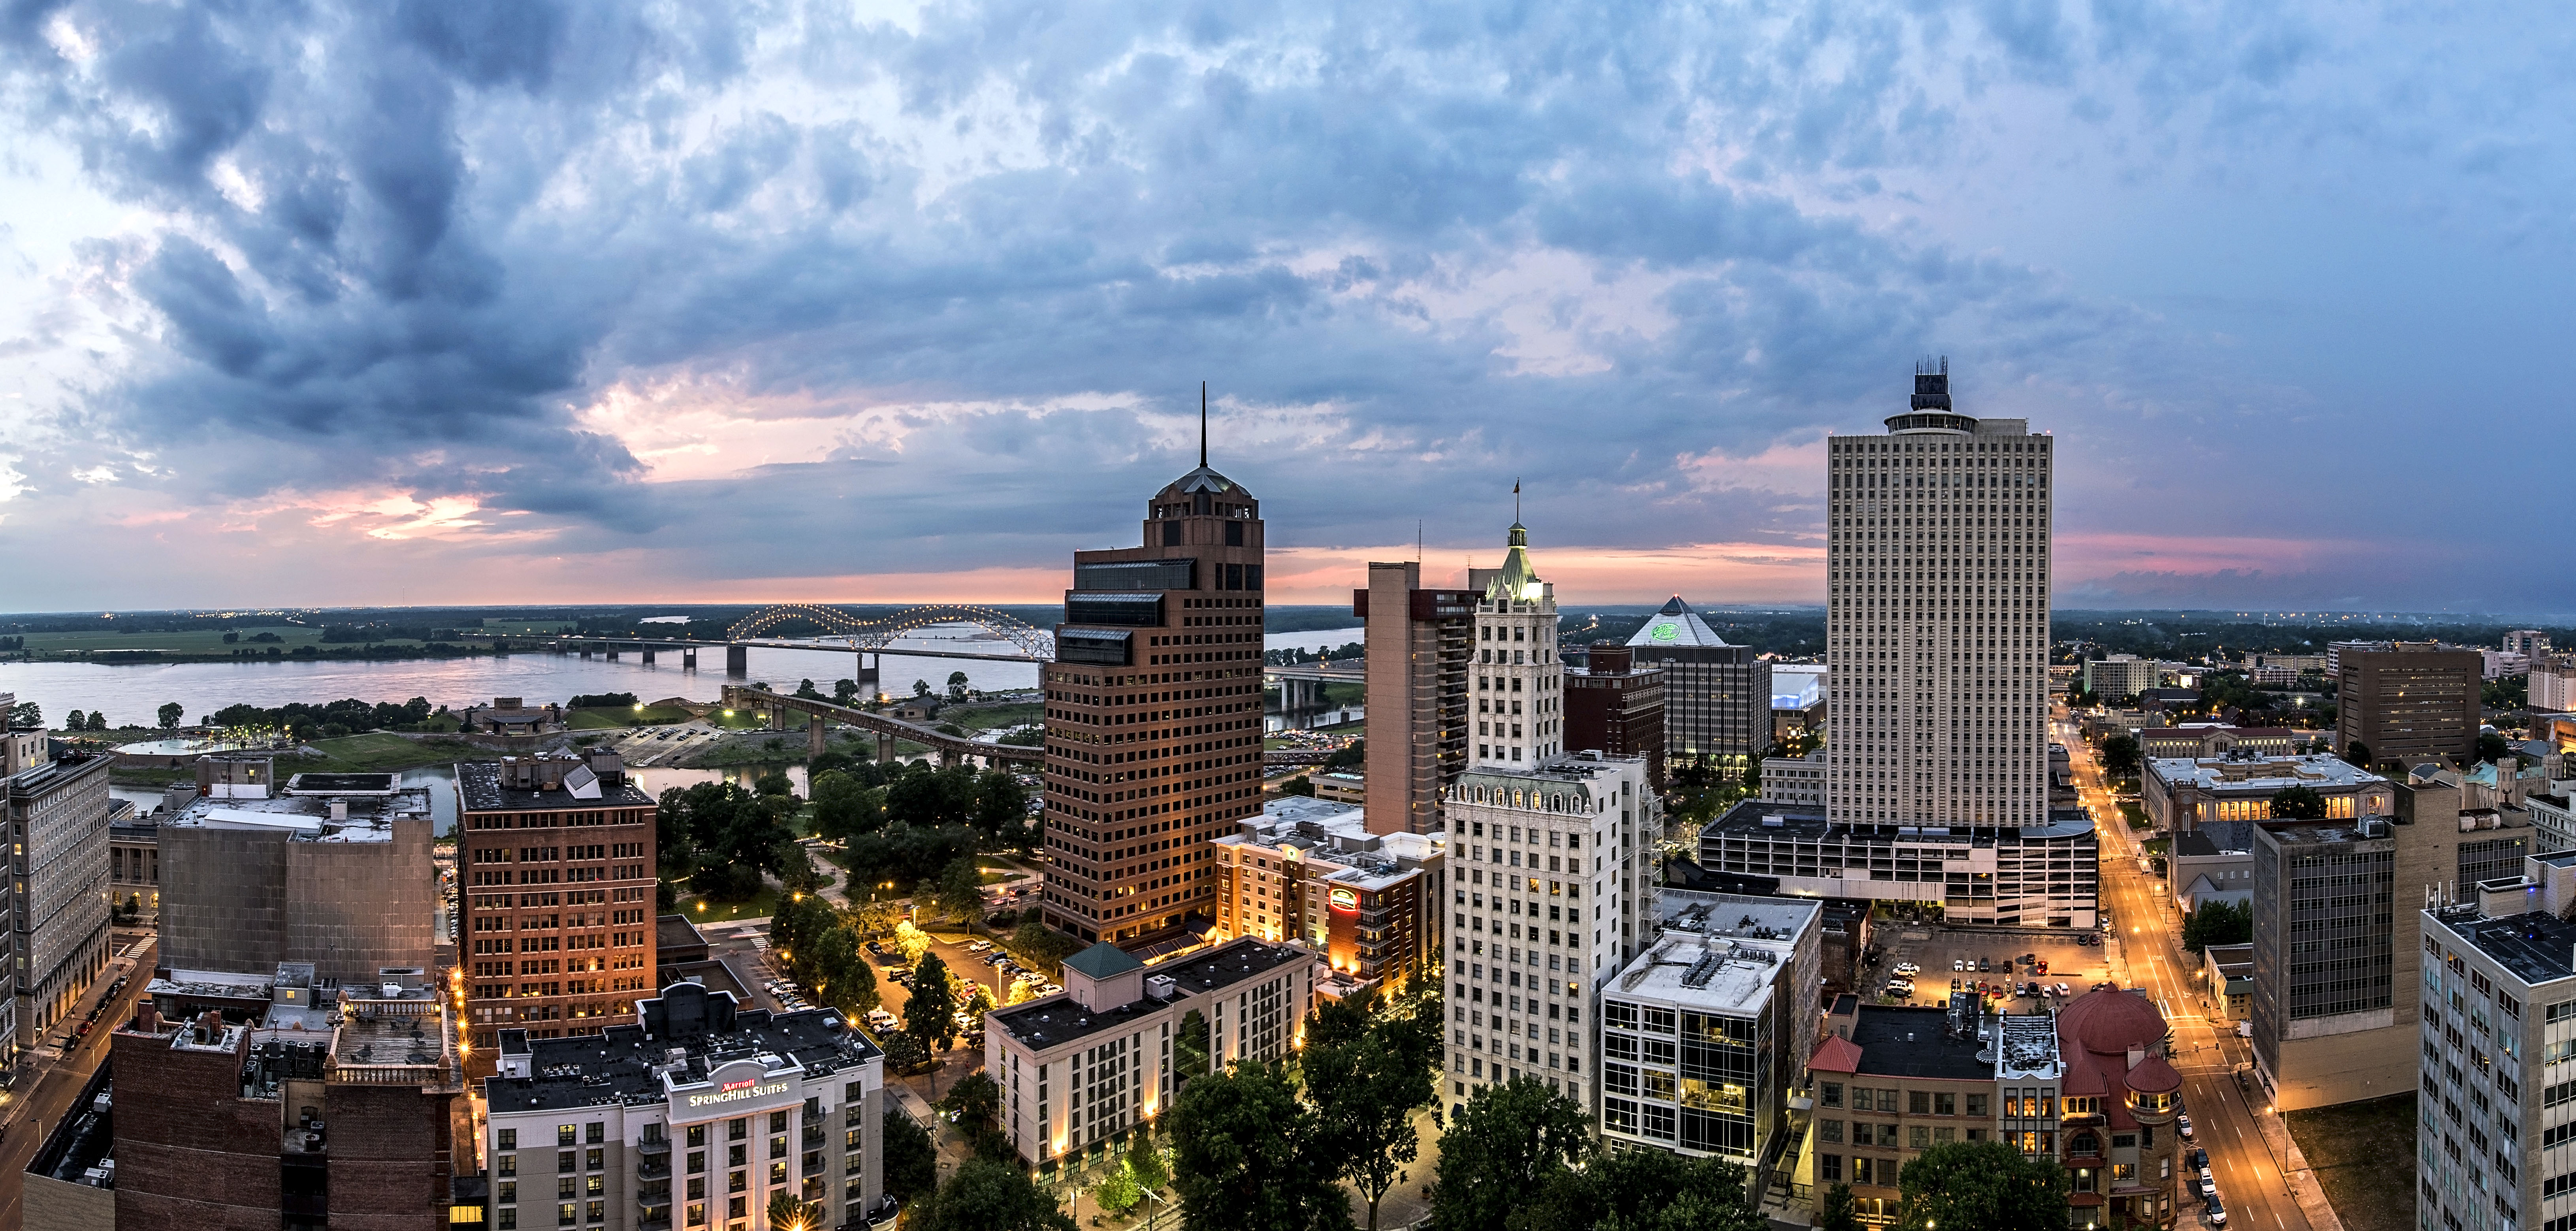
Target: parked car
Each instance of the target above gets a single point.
(2214, 1212)
(2182, 1124)
(1984, 966)
(1908, 968)
(2207, 1180)
(2200, 1159)
(2063, 990)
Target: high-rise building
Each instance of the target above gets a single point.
(2120, 676)
(58, 930)
(1717, 697)
(1420, 643)
(2553, 683)
(1616, 707)
(1154, 714)
(334, 869)
(2408, 702)
(2531, 643)
(555, 862)
(2337, 963)
(1937, 619)
(1550, 862)
(2500, 992)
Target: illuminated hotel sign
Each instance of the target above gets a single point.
(737, 1087)
(1345, 899)
(735, 1092)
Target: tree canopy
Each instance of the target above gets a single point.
(1246, 1159)
(984, 1195)
(1505, 1144)
(1366, 1073)
(1984, 1184)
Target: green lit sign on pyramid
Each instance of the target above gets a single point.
(1667, 631)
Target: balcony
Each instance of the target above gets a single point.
(652, 1146)
(654, 1169)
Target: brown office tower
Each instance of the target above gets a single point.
(1613, 707)
(1154, 716)
(555, 864)
(1419, 644)
(2410, 702)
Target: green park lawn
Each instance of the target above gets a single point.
(378, 753)
(760, 905)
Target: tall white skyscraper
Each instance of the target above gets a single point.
(1937, 620)
(1548, 863)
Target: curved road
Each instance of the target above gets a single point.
(2250, 1182)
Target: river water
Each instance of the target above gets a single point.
(131, 693)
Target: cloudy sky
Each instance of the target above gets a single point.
(461, 302)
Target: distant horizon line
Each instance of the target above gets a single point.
(2318, 615)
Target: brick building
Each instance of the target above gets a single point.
(1154, 715)
(555, 867)
(1615, 707)
(1420, 643)
(1310, 870)
(2409, 702)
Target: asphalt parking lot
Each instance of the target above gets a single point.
(1935, 947)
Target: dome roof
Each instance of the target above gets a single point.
(1516, 581)
(2110, 1023)
(2154, 1076)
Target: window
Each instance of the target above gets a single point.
(1830, 1130)
(1833, 1091)
(1918, 1102)
(509, 1139)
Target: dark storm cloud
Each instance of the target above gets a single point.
(1578, 243)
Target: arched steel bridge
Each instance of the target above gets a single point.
(860, 634)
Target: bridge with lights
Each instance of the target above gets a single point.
(845, 634)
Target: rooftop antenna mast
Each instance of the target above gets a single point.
(1202, 425)
(1516, 500)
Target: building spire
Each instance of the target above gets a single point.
(1516, 501)
(1203, 423)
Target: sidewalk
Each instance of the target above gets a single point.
(42, 1056)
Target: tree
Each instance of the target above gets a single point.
(1001, 807)
(845, 807)
(805, 691)
(977, 1100)
(1365, 1075)
(786, 1213)
(2218, 923)
(2357, 753)
(1983, 1184)
(844, 692)
(98, 720)
(2492, 747)
(2120, 756)
(76, 721)
(26, 714)
(903, 1053)
(1641, 1190)
(960, 891)
(927, 1016)
(1506, 1142)
(911, 1162)
(1839, 1211)
(1299, 785)
(921, 688)
(1245, 1157)
(839, 973)
(1145, 1162)
(910, 941)
(170, 714)
(2299, 803)
(988, 1196)
(956, 685)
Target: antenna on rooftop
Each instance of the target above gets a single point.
(1516, 500)
(1202, 423)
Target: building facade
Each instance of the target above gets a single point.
(2409, 702)
(1154, 714)
(1703, 1035)
(1309, 870)
(1717, 697)
(1795, 780)
(2194, 741)
(2120, 675)
(1616, 708)
(694, 1117)
(2337, 977)
(1937, 620)
(555, 871)
(335, 869)
(2498, 1026)
(1082, 1068)
(2553, 683)
(1420, 644)
(2032, 877)
(2184, 795)
(57, 899)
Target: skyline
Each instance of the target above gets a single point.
(444, 304)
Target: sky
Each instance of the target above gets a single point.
(459, 302)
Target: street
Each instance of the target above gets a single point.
(2149, 939)
(47, 1084)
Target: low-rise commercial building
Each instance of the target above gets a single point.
(2182, 795)
(343, 1114)
(1081, 1068)
(1703, 1035)
(1794, 780)
(2047, 877)
(2227, 971)
(70, 1184)
(1309, 871)
(2197, 741)
(2214, 863)
(331, 869)
(695, 1116)
(2088, 1088)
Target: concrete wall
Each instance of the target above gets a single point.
(49, 1204)
(243, 900)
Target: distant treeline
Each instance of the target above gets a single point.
(331, 719)
(2192, 635)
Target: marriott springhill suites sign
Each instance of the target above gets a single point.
(734, 1089)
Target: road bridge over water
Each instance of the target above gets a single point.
(819, 715)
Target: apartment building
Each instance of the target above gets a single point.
(1420, 644)
(694, 1116)
(555, 867)
(1154, 714)
(1615, 707)
(1309, 870)
(2181, 795)
(1717, 696)
(1703, 1035)
(57, 896)
(2553, 683)
(1082, 1068)
(2409, 702)
(2120, 675)
(2498, 1024)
